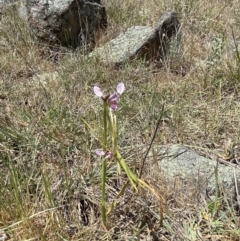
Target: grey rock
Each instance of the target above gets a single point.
(22, 10)
(196, 172)
(17, 6)
(140, 42)
(69, 23)
(8, 1)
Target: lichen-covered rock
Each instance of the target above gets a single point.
(196, 173)
(69, 23)
(140, 42)
(17, 6)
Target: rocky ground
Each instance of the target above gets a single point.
(178, 129)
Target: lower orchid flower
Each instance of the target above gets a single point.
(105, 154)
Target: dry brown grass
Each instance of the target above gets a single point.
(49, 175)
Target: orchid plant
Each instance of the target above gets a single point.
(110, 106)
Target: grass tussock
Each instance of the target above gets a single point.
(49, 173)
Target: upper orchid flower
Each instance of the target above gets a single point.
(105, 154)
(112, 100)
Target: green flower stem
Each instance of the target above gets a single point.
(104, 166)
(103, 201)
(114, 134)
(105, 126)
(113, 127)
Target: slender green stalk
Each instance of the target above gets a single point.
(215, 207)
(105, 126)
(113, 124)
(103, 202)
(104, 164)
(114, 128)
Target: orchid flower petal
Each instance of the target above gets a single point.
(98, 91)
(113, 107)
(113, 98)
(120, 88)
(100, 152)
(108, 154)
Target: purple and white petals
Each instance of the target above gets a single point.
(112, 100)
(100, 152)
(120, 88)
(105, 154)
(98, 91)
(108, 154)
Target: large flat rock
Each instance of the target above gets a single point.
(142, 42)
(126, 45)
(197, 172)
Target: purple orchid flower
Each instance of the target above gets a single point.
(105, 154)
(98, 91)
(112, 100)
(120, 88)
